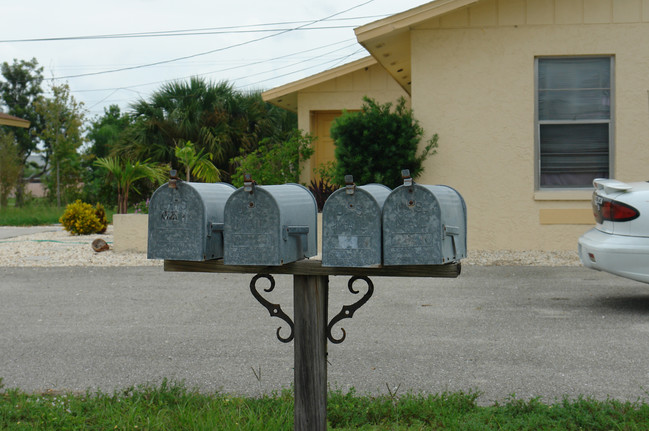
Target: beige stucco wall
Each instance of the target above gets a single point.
(130, 232)
(473, 84)
(345, 92)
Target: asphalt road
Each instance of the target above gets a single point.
(529, 331)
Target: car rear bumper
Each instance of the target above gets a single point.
(626, 256)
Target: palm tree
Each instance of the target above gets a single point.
(182, 111)
(198, 164)
(219, 120)
(125, 172)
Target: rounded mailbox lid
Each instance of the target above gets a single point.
(351, 226)
(270, 225)
(423, 225)
(181, 218)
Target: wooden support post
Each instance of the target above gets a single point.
(310, 301)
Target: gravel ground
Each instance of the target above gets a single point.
(60, 248)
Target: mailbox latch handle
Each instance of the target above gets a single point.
(248, 183)
(407, 179)
(350, 187)
(452, 231)
(301, 231)
(173, 178)
(214, 227)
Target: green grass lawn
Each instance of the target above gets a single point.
(30, 216)
(37, 213)
(172, 406)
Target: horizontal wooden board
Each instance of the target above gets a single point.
(314, 267)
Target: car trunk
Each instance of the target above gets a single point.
(617, 207)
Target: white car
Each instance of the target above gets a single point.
(619, 243)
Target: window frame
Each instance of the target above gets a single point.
(538, 123)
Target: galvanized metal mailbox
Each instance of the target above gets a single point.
(423, 225)
(186, 220)
(351, 225)
(270, 225)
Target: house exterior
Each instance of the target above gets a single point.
(34, 187)
(531, 99)
(319, 99)
(10, 120)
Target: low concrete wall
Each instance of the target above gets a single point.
(130, 232)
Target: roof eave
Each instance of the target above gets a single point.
(388, 40)
(405, 20)
(285, 96)
(10, 120)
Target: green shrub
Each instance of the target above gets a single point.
(141, 207)
(100, 212)
(81, 218)
(377, 143)
(275, 162)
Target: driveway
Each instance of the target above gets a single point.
(529, 331)
(14, 231)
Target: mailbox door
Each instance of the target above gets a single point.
(252, 229)
(177, 224)
(270, 225)
(298, 221)
(214, 195)
(412, 227)
(351, 227)
(454, 221)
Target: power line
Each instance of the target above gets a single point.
(292, 65)
(157, 63)
(204, 33)
(254, 28)
(344, 59)
(331, 64)
(97, 103)
(265, 61)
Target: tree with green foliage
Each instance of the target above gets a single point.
(275, 162)
(18, 93)
(216, 118)
(105, 132)
(196, 164)
(376, 143)
(62, 137)
(10, 167)
(123, 173)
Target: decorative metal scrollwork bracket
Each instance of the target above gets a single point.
(348, 310)
(274, 309)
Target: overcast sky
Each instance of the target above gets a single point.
(254, 44)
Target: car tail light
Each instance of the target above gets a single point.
(609, 210)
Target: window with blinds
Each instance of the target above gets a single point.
(574, 120)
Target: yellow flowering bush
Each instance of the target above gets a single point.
(81, 218)
(100, 212)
